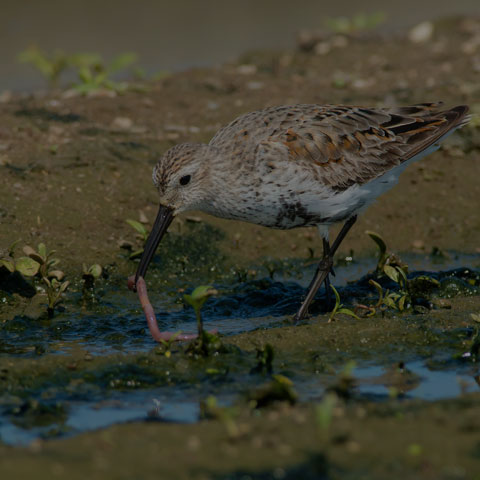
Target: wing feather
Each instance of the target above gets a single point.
(355, 145)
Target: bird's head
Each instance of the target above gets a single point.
(182, 180)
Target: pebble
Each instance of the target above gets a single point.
(247, 69)
(122, 123)
(255, 85)
(5, 96)
(421, 33)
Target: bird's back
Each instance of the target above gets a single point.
(349, 144)
(312, 164)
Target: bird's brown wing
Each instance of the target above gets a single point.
(354, 144)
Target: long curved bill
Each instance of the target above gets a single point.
(162, 222)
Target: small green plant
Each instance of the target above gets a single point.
(90, 274)
(265, 356)
(196, 300)
(358, 23)
(388, 264)
(209, 409)
(339, 308)
(391, 266)
(166, 345)
(388, 299)
(475, 344)
(7, 258)
(324, 414)
(94, 74)
(40, 263)
(142, 235)
(279, 389)
(345, 381)
(51, 66)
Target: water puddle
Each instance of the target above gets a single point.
(128, 381)
(176, 404)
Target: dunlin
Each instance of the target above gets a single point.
(297, 166)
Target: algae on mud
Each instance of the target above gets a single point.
(96, 358)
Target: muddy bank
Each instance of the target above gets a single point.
(74, 169)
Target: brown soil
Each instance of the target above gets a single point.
(73, 169)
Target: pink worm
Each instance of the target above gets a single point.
(150, 314)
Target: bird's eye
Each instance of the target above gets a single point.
(185, 179)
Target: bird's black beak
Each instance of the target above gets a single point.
(162, 222)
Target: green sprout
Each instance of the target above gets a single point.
(197, 299)
(41, 264)
(90, 274)
(279, 389)
(475, 344)
(345, 381)
(358, 23)
(339, 308)
(324, 413)
(167, 345)
(51, 66)
(94, 74)
(7, 259)
(142, 234)
(265, 356)
(388, 264)
(210, 410)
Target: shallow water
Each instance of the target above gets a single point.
(178, 35)
(114, 321)
(66, 399)
(177, 403)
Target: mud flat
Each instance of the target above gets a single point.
(393, 395)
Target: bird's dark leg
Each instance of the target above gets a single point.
(323, 269)
(328, 293)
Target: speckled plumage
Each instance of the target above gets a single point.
(295, 166)
(302, 165)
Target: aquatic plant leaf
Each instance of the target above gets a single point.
(199, 296)
(27, 266)
(337, 296)
(136, 254)
(202, 293)
(347, 311)
(402, 274)
(52, 262)
(58, 274)
(122, 61)
(279, 389)
(389, 301)
(401, 303)
(382, 247)
(8, 264)
(391, 273)
(30, 252)
(324, 411)
(11, 248)
(64, 286)
(42, 250)
(475, 317)
(95, 270)
(379, 290)
(137, 226)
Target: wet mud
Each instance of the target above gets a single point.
(392, 394)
